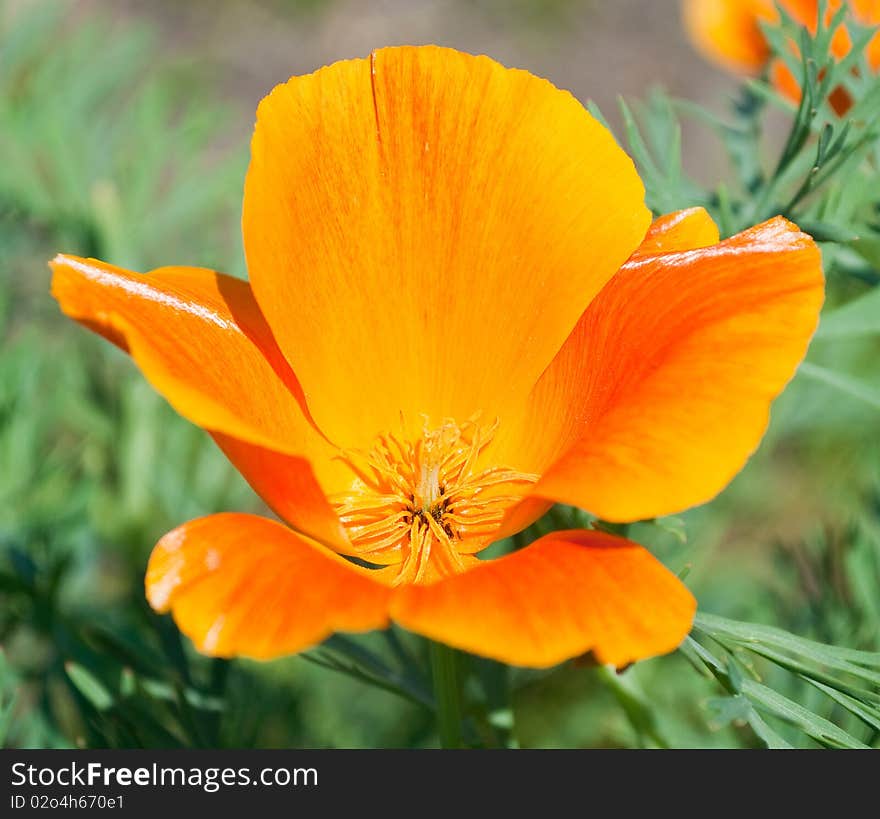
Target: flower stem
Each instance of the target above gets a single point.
(444, 671)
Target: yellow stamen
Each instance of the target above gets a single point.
(415, 502)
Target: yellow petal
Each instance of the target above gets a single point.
(682, 230)
(423, 229)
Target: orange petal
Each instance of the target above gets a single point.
(288, 485)
(423, 228)
(728, 31)
(784, 80)
(567, 593)
(294, 488)
(868, 13)
(667, 381)
(865, 12)
(198, 336)
(244, 585)
(681, 230)
(555, 405)
(201, 341)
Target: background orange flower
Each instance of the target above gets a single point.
(728, 32)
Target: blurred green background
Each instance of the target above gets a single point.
(123, 135)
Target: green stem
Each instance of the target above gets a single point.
(444, 671)
(634, 704)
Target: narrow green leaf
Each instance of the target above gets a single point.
(819, 728)
(870, 716)
(766, 734)
(89, 686)
(848, 384)
(756, 633)
(860, 317)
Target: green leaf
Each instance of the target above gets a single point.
(638, 707)
(861, 317)
(831, 670)
(675, 526)
(766, 734)
(8, 699)
(868, 247)
(854, 387)
(870, 716)
(819, 728)
(736, 708)
(826, 231)
(751, 634)
(339, 653)
(89, 686)
(594, 109)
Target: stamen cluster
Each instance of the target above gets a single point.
(424, 504)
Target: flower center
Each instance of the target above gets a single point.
(427, 504)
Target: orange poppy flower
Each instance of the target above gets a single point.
(728, 32)
(458, 313)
